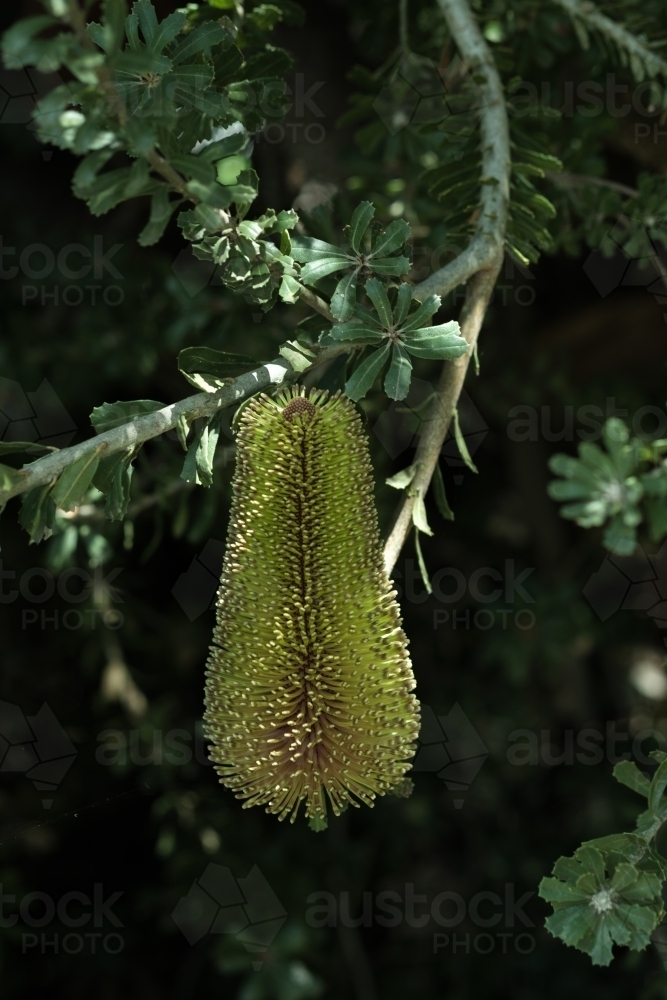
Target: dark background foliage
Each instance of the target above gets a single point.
(148, 828)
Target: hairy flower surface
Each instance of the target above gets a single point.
(308, 682)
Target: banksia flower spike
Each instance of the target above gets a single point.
(309, 682)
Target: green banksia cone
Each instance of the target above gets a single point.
(309, 682)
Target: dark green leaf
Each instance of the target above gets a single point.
(441, 343)
(344, 297)
(361, 219)
(110, 415)
(363, 377)
(204, 37)
(74, 482)
(393, 237)
(207, 361)
(378, 296)
(162, 210)
(397, 379)
(38, 512)
(31, 447)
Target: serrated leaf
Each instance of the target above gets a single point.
(393, 237)
(360, 222)
(206, 36)
(110, 415)
(440, 343)
(73, 483)
(162, 210)
(38, 512)
(198, 465)
(629, 774)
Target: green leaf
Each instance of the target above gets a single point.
(390, 266)
(198, 465)
(345, 296)
(440, 496)
(118, 496)
(38, 513)
(321, 268)
(193, 167)
(422, 563)
(297, 355)
(393, 237)
(397, 379)
(360, 222)
(212, 364)
(629, 774)
(403, 302)
(147, 19)
(378, 296)
(73, 483)
(422, 315)
(441, 343)
(658, 785)
(306, 249)
(401, 480)
(162, 210)
(363, 377)
(461, 442)
(419, 518)
(362, 328)
(168, 30)
(106, 470)
(110, 415)
(31, 447)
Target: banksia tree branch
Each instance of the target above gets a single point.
(479, 264)
(479, 292)
(203, 404)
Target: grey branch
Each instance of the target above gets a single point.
(486, 247)
(583, 11)
(481, 261)
(127, 436)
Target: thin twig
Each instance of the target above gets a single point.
(481, 262)
(486, 246)
(315, 302)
